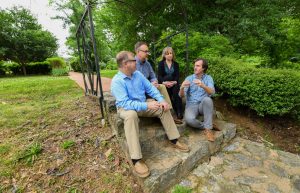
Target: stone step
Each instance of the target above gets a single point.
(168, 165)
(245, 167)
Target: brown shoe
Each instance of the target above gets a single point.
(141, 169)
(180, 146)
(209, 134)
(178, 121)
(216, 127)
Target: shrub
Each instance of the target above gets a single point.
(56, 62)
(267, 91)
(59, 71)
(13, 68)
(111, 65)
(75, 64)
(2, 68)
(38, 68)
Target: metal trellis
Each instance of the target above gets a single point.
(88, 57)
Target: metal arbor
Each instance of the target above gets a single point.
(88, 57)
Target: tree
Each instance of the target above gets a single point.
(22, 39)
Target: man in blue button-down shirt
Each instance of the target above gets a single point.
(129, 87)
(198, 88)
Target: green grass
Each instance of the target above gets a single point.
(67, 144)
(181, 189)
(108, 73)
(27, 106)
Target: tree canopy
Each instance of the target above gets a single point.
(252, 27)
(22, 39)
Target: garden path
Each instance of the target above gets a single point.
(77, 77)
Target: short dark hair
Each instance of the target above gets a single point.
(138, 45)
(122, 56)
(204, 63)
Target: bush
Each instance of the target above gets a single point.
(59, 71)
(2, 68)
(75, 64)
(267, 91)
(111, 65)
(13, 68)
(38, 68)
(56, 62)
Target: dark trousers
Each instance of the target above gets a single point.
(176, 100)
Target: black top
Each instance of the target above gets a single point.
(165, 76)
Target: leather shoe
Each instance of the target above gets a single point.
(209, 135)
(178, 121)
(216, 127)
(180, 146)
(141, 169)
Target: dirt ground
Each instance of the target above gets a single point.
(89, 160)
(279, 133)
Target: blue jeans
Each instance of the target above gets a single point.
(205, 108)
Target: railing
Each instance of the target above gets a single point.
(89, 61)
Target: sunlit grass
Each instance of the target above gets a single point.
(108, 73)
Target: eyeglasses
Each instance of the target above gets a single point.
(145, 51)
(169, 53)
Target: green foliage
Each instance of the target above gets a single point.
(111, 65)
(267, 91)
(67, 144)
(2, 68)
(22, 39)
(30, 153)
(75, 64)
(181, 189)
(12, 68)
(56, 62)
(38, 68)
(59, 72)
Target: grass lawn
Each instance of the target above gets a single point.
(108, 73)
(48, 131)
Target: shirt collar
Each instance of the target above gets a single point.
(194, 76)
(123, 76)
(139, 61)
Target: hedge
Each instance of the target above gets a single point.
(56, 62)
(267, 91)
(31, 68)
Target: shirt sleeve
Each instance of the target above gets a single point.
(119, 91)
(152, 90)
(152, 74)
(186, 89)
(210, 83)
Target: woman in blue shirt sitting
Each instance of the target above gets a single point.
(168, 74)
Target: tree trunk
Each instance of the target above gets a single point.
(24, 69)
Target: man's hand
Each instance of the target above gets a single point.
(199, 83)
(185, 84)
(164, 105)
(154, 83)
(153, 105)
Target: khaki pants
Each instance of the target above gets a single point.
(131, 127)
(163, 91)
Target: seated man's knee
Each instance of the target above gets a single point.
(189, 120)
(131, 115)
(207, 101)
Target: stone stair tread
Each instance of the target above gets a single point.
(168, 164)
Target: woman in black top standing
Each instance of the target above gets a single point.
(168, 74)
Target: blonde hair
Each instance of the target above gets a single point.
(167, 50)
